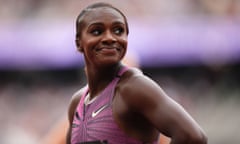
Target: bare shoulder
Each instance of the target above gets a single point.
(135, 81)
(74, 102)
(131, 73)
(137, 89)
(76, 96)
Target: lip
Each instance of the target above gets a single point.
(108, 51)
(108, 48)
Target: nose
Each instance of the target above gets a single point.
(109, 38)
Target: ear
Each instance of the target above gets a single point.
(78, 44)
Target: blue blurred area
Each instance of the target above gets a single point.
(35, 45)
(191, 48)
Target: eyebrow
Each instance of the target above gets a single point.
(119, 22)
(100, 23)
(95, 23)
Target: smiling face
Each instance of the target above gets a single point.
(103, 38)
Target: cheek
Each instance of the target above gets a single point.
(124, 42)
(87, 41)
(88, 44)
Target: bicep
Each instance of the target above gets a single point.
(169, 117)
(71, 110)
(163, 112)
(74, 103)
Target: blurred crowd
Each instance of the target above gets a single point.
(15, 10)
(31, 105)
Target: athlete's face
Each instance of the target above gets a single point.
(103, 39)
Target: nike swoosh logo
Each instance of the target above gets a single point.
(94, 113)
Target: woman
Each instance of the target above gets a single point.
(119, 104)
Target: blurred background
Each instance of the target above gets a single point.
(190, 47)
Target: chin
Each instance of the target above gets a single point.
(110, 63)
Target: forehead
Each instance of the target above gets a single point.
(103, 15)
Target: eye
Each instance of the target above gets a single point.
(118, 31)
(96, 32)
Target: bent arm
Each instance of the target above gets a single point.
(178, 124)
(164, 113)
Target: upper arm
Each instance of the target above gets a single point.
(72, 107)
(71, 110)
(147, 98)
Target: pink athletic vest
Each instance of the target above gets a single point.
(94, 123)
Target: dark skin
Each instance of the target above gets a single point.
(140, 107)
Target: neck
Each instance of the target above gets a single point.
(99, 78)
